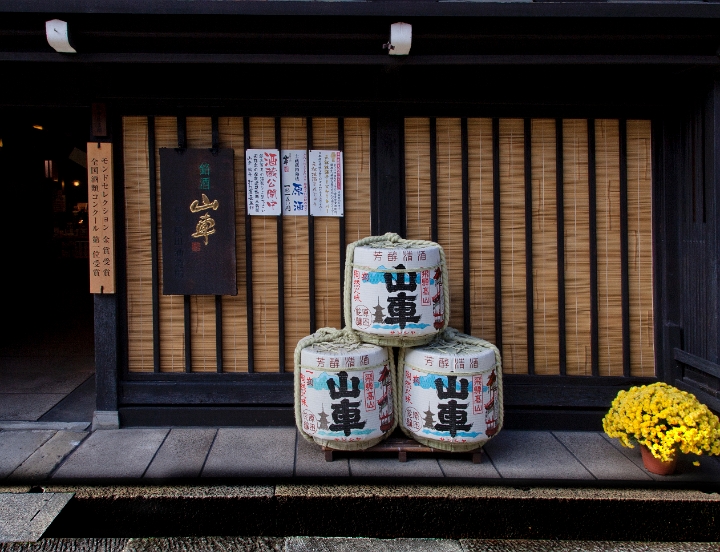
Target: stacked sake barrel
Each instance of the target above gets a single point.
(447, 390)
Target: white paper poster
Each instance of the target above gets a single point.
(294, 182)
(262, 169)
(326, 183)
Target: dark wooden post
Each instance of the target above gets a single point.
(388, 175)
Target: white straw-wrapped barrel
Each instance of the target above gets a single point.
(343, 390)
(450, 392)
(396, 291)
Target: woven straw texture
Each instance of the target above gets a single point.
(453, 341)
(328, 265)
(576, 220)
(345, 337)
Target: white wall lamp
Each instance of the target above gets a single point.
(56, 31)
(400, 39)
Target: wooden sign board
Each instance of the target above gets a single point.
(101, 233)
(198, 222)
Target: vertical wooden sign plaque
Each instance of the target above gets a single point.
(198, 222)
(101, 233)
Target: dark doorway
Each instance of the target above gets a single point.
(46, 346)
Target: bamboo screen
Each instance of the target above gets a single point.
(157, 335)
(556, 277)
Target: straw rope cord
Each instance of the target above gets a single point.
(391, 239)
(347, 337)
(465, 340)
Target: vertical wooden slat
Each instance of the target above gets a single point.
(480, 180)
(152, 171)
(594, 368)
(250, 302)
(545, 248)
(529, 308)
(218, 298)
(418, 179)
(203, 314)
(607, 185)
(296, 248)
(466, 258)
(497, 212)
(280, 262)
(234, 308)
(512, 200)
(357, 179)
(341, 224)
(640, 256)
(625, 289)
(311, 240)
(139, 260)
(560, 216)
(327, 242)
(449, 209)
(172, 307)
(577, 248)
(264, 267)
(433, 181)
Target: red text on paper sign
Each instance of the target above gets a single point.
(369, 381)
(408, 386)
(412, 419)
(477, 395)
(425, 299)
(309, 422)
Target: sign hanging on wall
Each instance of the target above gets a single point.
(198, 222)
(294, 182)
(262, 170)
(101, 235)
(326, 183)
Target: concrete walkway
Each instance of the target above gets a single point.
(68, 453)
(269, 481)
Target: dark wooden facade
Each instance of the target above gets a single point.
(313, 59)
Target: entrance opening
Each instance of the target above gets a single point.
(46, 344)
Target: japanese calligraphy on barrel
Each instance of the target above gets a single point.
(396, 290)
(451, 392)
(343, 390)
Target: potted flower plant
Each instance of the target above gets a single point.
(662, 420)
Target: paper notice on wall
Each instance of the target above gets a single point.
(294, 182)
(326, 183)
(262, 171)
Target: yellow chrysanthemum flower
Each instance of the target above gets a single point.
(665, 419)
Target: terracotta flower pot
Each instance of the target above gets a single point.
(655, 465)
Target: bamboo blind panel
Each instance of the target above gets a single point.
(512, 245)
(609, 265)
(327, 241)
(264, 266)
(138, 254)
(450, 224)
(357, 179)
(544, 248)
(417, 179)
(172, 310)
(202, 307)
(642, 360)
(234, 308)
(482, 247)
(296, 254)
(577, 247)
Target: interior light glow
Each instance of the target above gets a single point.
(39, 127)
(76, 183)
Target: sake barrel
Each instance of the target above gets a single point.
(396, 290)
(343, 390)
(451, 392)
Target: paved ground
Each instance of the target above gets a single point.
(57, 452)
(315, 544)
